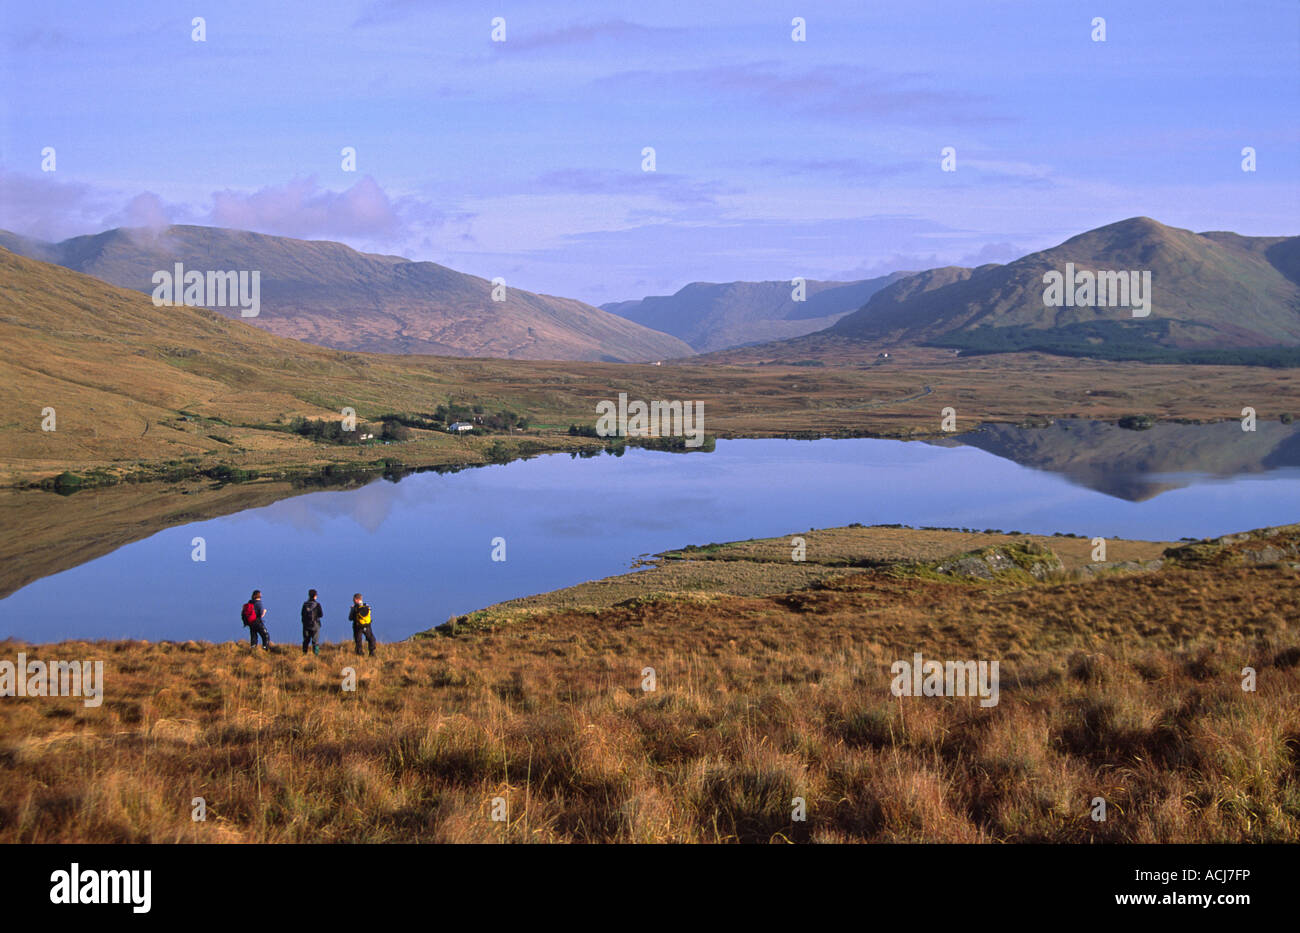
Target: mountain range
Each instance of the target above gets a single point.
(715, 316)
(1212, 295)
(332, 295)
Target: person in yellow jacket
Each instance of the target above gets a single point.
(361, 618)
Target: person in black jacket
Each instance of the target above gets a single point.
(311, 616)
(360, 618)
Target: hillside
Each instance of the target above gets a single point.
(179, 389)
(329, 294)
(1216, 297)
(711, 316)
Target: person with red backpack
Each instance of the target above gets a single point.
(252, 615)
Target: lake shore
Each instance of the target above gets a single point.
(803, 560)
(223, 440)
(702, 716)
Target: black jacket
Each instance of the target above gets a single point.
(311, 613)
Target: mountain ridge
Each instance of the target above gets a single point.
(1215, 290)
(719, 315)
(330, 294)
(1218, 297)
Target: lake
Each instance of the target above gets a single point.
(421, 549)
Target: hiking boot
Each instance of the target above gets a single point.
(315, 649)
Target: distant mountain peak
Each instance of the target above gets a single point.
(1210, 293)
(717, 315)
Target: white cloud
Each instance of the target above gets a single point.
(302, 208)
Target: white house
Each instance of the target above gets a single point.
(457, 427)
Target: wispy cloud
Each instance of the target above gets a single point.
(146, 210)
(380, 12)
(41, 40)
(917, 262)
(666, 186)
(838, 169)
(826, 91)
(619, 30)
(46, 209)
(301, 207)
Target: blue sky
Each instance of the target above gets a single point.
(774, 158)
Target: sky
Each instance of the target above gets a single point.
(774, 158)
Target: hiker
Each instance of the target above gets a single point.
(360, 616)
(311, 615)
(253, 615)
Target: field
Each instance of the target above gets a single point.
(1121, 682)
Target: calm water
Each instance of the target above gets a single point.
(420, 549)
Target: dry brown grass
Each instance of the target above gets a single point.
(1125, 687)
(763, 566)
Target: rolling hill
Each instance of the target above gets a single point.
(329, 294)
(711, 316)
(119, 372)
(1215, 297)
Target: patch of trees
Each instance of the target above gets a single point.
(326, 431)
(332, 432)
(445, 415)
(505, 421)
(397, 426)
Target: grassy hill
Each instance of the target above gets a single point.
(1217, 297)
(329, 294)
(175, 389)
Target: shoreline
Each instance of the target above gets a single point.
(698, 718)
(89, 475)
(116, 434)
(763, 567)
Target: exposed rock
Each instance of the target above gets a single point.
(967, 567)
(1038, 561)
(1265, 555)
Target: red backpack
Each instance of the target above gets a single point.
(249, 613)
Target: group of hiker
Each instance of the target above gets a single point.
(253, 615)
